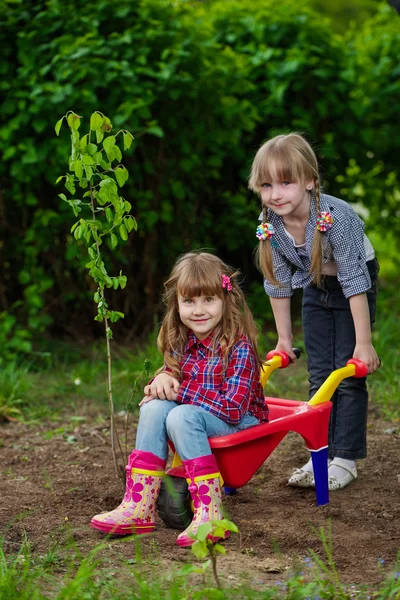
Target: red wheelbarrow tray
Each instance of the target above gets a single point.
(239, 455)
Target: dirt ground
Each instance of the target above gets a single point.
(49, 479)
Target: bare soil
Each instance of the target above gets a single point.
(51, 482)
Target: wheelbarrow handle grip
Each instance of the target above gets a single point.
(360, 367)
(285, 357)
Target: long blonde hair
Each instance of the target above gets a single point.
(288, 158)
(200, 274)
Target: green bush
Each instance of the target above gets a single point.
(200, 85)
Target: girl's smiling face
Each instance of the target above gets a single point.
(286, 197)
(201, 314)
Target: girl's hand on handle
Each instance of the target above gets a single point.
(367, 354)
(163, 387)
(283, 346)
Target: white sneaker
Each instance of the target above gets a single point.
(341, 472)
(304, 477)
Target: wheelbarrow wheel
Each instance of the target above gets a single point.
(174, 504)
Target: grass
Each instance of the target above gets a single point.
(96, 576)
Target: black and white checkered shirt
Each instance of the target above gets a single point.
(344, 244)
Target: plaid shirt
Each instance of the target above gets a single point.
(343, 243)
(231, 397)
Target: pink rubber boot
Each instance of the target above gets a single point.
(136, 512)
(204, 486)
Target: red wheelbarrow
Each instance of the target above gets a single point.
(240, 455)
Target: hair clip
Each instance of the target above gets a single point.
(226, 283)
(265, 231)
(324, 221)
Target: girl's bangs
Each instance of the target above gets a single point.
(197, 283)
(279, 164)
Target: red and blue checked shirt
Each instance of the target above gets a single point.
(230, 397)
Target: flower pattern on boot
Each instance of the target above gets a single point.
(136, 512)
(207, 504)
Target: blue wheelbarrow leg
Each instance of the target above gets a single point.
(320, 466)
(229, 491)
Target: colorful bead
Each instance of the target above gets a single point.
(265, 231)
(324, 221)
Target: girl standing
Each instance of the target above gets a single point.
(208, 386)
(310, 240)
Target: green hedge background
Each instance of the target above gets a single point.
(201, 85)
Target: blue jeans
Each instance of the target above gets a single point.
(329, 337)
(187, 426)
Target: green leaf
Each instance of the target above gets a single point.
(219, 532)
(121, 175)
(63, 197)
(109, 333)
(117, 153)
(99, 136)
(219, 548)
(115, 283)
(58, 125)
(155, 130)
(203, 530)
(228, 525)
(109, 143)
(59, 178)
(199, 549)
(78, 168)
(89, 172)
(123, 232)
(109, 215)
(96, 121)
(90, 264)
(69, 184)
(74, 121)
(122, 281)
(87, 159)
(108, 191)
(96, 297)
(83, 142)
(91, 149)
(128, 139)
(129, 223)
(114, 241)
(115, 315)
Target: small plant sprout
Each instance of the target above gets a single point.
(204, 546)
(96, 171)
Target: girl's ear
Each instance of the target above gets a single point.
(309, 185)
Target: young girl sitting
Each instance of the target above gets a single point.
(208, 386)
(314, 241)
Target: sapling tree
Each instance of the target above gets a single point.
(94, 180)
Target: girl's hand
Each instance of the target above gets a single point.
(286, 346)
(163, 387)
(146, 399)
(367, 353)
